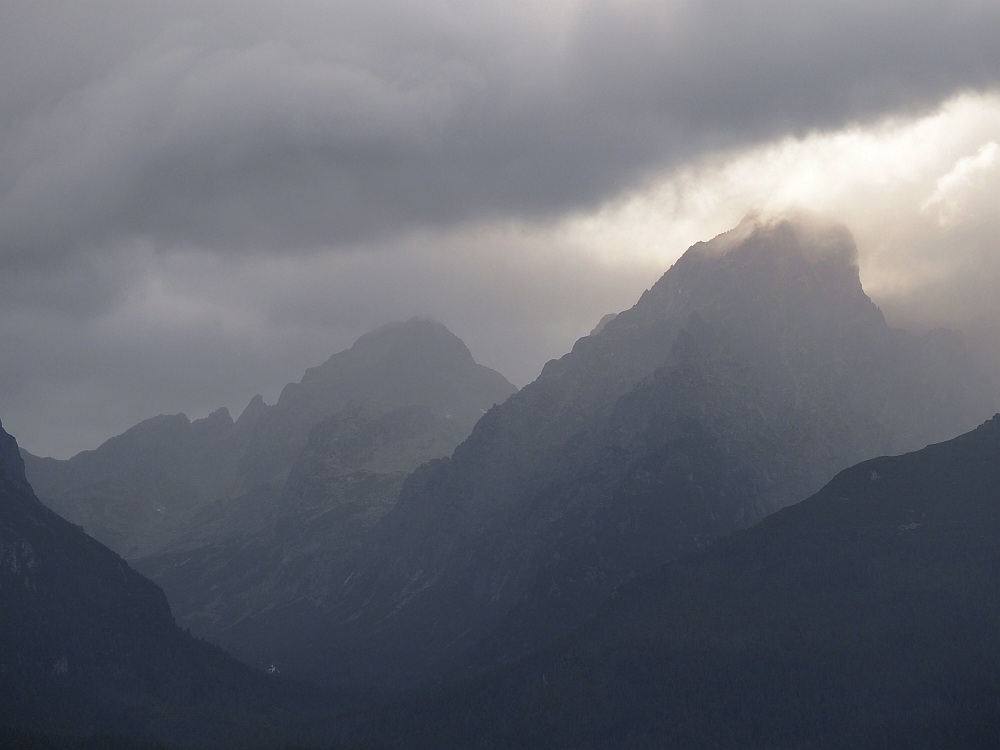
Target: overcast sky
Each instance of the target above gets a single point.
(198, 200)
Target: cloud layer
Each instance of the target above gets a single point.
(198, 200)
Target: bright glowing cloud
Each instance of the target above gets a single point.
(960, 184)
(876, 179)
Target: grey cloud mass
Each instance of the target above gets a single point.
(321, 124)
(176, 178)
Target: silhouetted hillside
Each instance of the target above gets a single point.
(89, 647)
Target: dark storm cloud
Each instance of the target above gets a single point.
(200, 199)
(242, 125)
(198, 332)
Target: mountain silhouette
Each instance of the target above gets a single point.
(89, 647)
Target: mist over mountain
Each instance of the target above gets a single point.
(417, 363)
(145, 487)
(747, 376)
(390, 545)
(282, 498)
(135, 489)
(863, 616)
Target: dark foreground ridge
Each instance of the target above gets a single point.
(88, 647)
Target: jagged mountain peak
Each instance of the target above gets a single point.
(219, 416)
(811, 258)
(403, 361)
(789, 277)
(794, 263)
(418, 362)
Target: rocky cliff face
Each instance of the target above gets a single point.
(746, 377)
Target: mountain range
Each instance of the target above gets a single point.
(618, 530)
(864, 615)
(155, 482)
(136, 488)
(750, 373)
(287, 491)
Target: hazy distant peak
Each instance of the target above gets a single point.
(419, 339)
(416, 331)
(216, 425)
(418, 362)
(153, 425)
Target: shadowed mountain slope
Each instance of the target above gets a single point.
(269, 558)
(864, 617)
(265, 560)
(88, 646)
